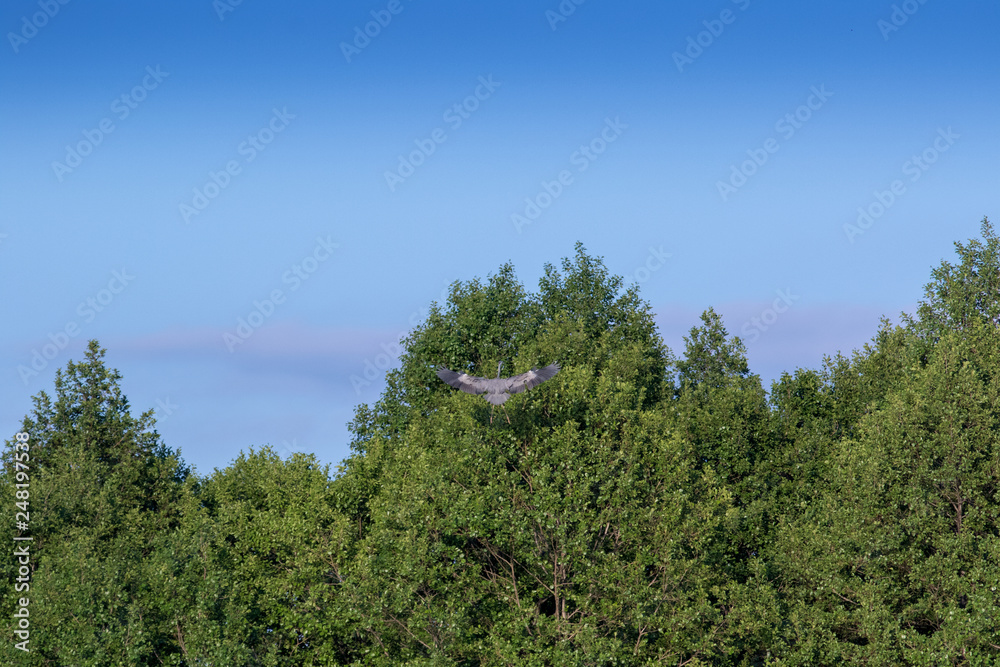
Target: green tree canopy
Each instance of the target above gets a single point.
(102, 487)
(895, 559)
(962, 294)
(637, 509)
(585, 531)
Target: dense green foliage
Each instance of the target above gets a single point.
(640, 508)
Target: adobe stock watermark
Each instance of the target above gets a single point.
(654, 262)
(87, 311)
(373, 367)
(562, 12)
(581, 158)
(714, 28)
(786, 127)
(249, 148)
(287, 449)
(755, 326)
(122, 106)
(381, 18)
(223, 7)
(37, 21)
(294, 277)
(901, 13)
(454, 115)
(164, 409)
(914, 168)
(21, 476)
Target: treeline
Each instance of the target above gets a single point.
(641, 508)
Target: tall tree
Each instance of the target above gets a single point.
(721, 408)
(961, 294)
(892, 559)
(897, 560)
(720, 404)
(582, 532)
(102, 487)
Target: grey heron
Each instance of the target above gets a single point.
(498, 389)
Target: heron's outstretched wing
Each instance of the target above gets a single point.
(470, 384)
(532, 378)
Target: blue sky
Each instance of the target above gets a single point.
(168, 169)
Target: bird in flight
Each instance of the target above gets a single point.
(498, 389)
